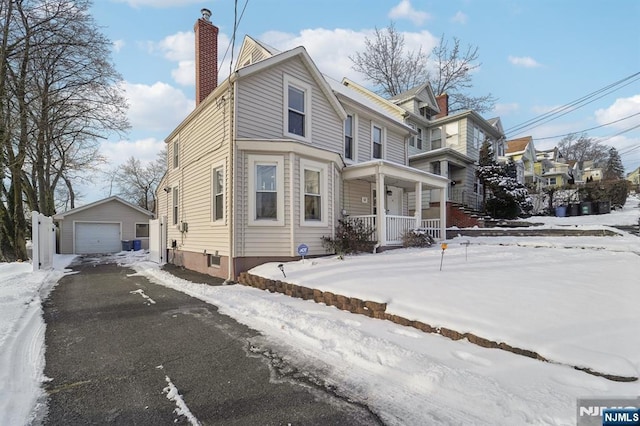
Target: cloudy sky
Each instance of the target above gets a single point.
(536, 56)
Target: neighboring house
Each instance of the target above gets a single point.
(444, 144)
(591, 172)
(100, 227)
(523, 153)
(551, 167)
(274, 157)
(634, 177)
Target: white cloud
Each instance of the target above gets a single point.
(156, 108)
(118, 152)
(158, 3)
(404, 10)
(460, 18)
(331, 49)
(177, 47)
(506, 109)
(621, 108)
(524, 61)
(118, 45)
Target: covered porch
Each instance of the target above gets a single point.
(389, 217)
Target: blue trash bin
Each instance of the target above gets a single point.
(561, 211)
(137, 245)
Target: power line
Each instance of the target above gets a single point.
(236, 24)
(572, 106)
(592, 128)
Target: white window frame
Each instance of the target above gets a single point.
(412, 138)
(270, 160)
(354, 128)
(419, 138)
(214, 168)
(289, 81)
(432, 139)
(382, 141)
(323, 169)
(175, 205)
(135, 230)
(176, 154)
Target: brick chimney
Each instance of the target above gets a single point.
(443, 104)
(206, 56)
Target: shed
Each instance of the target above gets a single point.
(100, 227)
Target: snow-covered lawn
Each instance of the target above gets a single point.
(574, 300)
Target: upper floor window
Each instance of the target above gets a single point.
(419, 138)
(266, 188)
(297, 108)
(218, 194)
(176, 154)
(478, 137)
(348, 138)
(376, 138)
(412, 139)
(436, 138)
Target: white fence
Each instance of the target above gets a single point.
(432, 226)
(43, 239)
(396, 226)
(158, 240)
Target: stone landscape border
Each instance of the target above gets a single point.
(378, 311)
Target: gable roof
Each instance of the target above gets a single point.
(518, 145)
(423, 93)
(301, 53)
(103, 201)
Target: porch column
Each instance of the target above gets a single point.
(444, 171)
(443, 215)
(381, 214)
(418, 212)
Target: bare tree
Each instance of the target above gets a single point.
(582, 148)
(454, 68)
(137, 183)
(58, 97)
(387, 65)
(392, 69)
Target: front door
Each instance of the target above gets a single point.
(394, 201)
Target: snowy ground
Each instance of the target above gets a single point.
(571, 299)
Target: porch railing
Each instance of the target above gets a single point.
(432, 226)
(397, 226)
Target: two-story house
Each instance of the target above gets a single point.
(272, 158)
(523, 153)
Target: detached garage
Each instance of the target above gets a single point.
(100, 227)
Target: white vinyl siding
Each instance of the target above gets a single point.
(261, 103)
(204, 144)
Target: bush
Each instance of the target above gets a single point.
(351, 237)
(417, 238)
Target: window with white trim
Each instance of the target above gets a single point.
(217, 190)
(419, 138)
(176, 200)
(348, 138)
(266, 190)
(313, 193)
(436, 138)
(176, 154)
(142, 230)
(297, 120)
(376, 139)
(412, 139)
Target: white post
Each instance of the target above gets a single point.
(443, 215)
(381, 216)
(35, 240)
(444, 171)
(418, 197)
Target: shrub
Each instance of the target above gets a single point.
(351, 237)
(417, 238)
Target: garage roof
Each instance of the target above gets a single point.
(61, 216)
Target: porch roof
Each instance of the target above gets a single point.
(394, 174)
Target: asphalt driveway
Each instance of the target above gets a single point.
(115, 342)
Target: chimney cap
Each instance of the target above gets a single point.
(206, 13)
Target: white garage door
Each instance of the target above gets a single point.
(97, 238)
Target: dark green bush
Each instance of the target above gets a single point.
(417, 238)
(350, 237)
